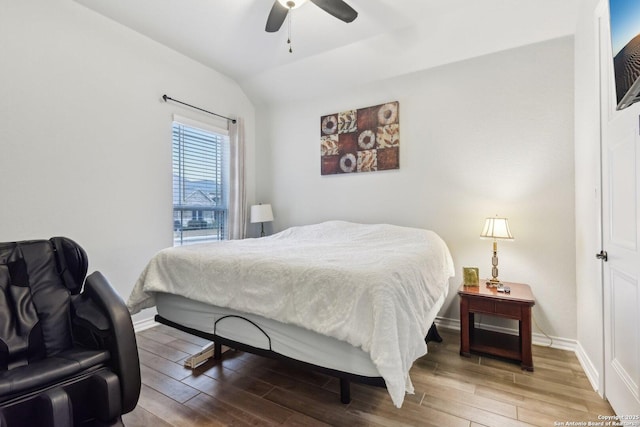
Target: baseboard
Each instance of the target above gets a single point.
(589, 369)
(536, 338)
(141, 325)
(445, 323)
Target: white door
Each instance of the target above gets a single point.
(620, 137)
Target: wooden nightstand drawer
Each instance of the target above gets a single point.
(508, 310)
(482, 305)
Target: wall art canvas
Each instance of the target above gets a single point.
(625, 42)
(362, 140)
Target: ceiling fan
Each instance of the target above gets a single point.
(281, 8)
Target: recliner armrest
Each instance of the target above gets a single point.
(124, 351)
(88, 314)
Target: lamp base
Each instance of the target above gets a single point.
(493, 283)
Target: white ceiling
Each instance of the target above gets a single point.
(389, 37)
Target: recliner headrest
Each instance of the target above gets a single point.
(70, 259)
(72, 263)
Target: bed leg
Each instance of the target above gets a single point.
(217, 351)
(433, 334)
(345, 391)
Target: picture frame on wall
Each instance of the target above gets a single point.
(360, 140)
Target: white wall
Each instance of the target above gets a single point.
(85, 143)
(491, 135)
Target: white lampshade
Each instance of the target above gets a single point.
(261, 213)
(496, 228)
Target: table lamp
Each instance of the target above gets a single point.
(261, 213)
(496, 228)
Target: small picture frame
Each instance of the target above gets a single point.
(470, 276)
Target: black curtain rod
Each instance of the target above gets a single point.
(168, 98)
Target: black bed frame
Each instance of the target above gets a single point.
(345, 377)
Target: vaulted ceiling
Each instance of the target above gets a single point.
(389, 37)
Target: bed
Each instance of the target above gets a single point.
(353, 299)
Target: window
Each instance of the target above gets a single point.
(200, 183)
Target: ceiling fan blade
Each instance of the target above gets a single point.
(337, 8)
(276, 17)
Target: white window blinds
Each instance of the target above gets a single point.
(200, 183)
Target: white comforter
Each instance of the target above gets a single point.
(369, 285)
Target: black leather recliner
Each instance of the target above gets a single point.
(68, 354)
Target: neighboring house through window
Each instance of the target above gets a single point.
(200, 182)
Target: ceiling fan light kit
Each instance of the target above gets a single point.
(292, 4)
(281, 10)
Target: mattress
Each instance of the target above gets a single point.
(370, 285)
(282, 338)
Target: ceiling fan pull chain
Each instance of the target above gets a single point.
(289, 38)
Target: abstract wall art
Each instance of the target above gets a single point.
(362, 140)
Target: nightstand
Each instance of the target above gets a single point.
(487, 300)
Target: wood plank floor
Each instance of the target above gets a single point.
(244, 389)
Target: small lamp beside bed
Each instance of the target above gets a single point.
(496, 228)
(261, 213)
